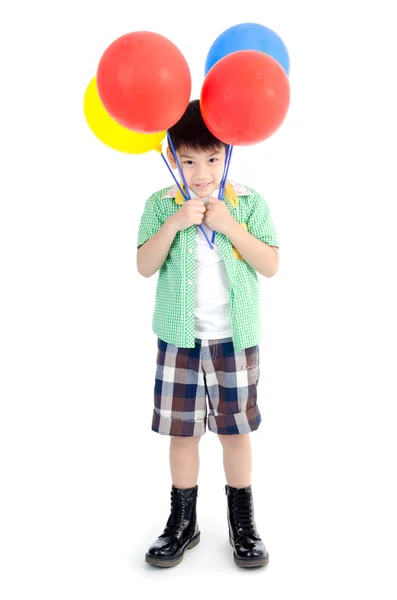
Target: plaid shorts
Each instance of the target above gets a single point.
(185, 377)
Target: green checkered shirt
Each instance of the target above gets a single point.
(173, 318)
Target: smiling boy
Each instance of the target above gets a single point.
(207, 320)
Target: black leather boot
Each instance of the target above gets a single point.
(181, 531)
(249, 550)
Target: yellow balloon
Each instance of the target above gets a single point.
(110, 132)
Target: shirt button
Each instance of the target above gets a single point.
(190, 282)
(190, 314)
(190, 250)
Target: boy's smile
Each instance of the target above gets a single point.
(202, 169)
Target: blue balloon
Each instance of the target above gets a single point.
(248, 36)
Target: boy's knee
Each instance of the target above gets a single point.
(233, 439)
(180, 440)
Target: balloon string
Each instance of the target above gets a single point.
(223, 180)
(225, 170)
(178, 165)
(175, 179)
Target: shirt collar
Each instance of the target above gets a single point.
(231, 193)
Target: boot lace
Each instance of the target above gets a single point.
(178, 505)
(243, 516)
(177, 518)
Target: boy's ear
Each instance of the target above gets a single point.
(171, 158)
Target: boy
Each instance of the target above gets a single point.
(207, 321)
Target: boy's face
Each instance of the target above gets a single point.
(203, 170)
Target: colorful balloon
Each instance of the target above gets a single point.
(144, 82)
(248, 36)
(245, 97)
(110, 132)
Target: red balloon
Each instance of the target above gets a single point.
(144, 82)
(245, 97)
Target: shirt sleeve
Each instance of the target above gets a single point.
(150, 223)
(260, 223)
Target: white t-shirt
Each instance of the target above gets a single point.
(212, 291)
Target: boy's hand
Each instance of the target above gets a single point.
(217, 215)
(191, 213)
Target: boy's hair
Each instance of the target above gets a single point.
(191, 131)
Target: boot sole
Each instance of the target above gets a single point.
(249, 562)
(259, 562)
(171, 562)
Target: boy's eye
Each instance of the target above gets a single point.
(213, 160)
(188, 162)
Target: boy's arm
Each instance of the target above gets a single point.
(258, 243)
(259, 255)
(155, 236)
(152, 254)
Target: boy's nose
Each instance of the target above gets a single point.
(201, 171)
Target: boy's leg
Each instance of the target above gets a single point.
(232, 379)
(184, 461)
(182, 530)
(179, 412)
(237, 459)
(249, 549)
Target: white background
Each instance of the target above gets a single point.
(85, 482)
